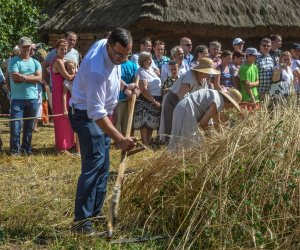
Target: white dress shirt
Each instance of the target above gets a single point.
(97, 84)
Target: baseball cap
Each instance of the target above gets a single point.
(295, 46)
(251, 51)
(25, 41)
(237, 41)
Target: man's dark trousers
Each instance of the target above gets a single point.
(92, 183)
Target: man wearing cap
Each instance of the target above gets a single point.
(238, 44)
(198, 108)
(24, 72)
(191, 81)
(265, 65)
(249, 79)
(187, 47)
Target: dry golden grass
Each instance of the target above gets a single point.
(238, 190)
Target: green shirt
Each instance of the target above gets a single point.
(248, 72)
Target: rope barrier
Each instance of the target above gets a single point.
(29, 118)
(4, 115)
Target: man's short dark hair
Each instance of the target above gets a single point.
(70, 33)
(265, 40)
(238, 54)
(200, 49)
(274, 37)
(158, 42)
(120, 35)
(226, 53)
(145, 40)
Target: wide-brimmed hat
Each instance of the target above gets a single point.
(234, 96)
(206, 65)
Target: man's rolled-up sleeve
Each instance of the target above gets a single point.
(96, 96)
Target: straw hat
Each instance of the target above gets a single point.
(234, 96)
(206, 65)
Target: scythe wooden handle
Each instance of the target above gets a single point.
(114, 204)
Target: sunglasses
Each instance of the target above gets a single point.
(265, 45)
(188, 44)
(120, 55)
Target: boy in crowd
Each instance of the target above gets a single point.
(249, 79)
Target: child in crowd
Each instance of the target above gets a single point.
(173, 66)
(71, 69)
(249, 79)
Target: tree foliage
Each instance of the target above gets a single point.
(17, 19)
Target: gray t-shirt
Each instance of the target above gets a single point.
(187, 115)
(72, 55)
(202, 99)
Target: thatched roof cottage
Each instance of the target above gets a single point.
(169, 20)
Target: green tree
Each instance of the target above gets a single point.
(18, 18)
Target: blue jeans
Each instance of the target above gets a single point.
(22, 109)
(94, 150)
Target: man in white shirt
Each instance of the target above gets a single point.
(94, 96)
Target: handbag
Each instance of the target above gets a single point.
(280, 88)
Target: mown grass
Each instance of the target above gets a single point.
(37, 197)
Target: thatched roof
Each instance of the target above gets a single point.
(203, 17)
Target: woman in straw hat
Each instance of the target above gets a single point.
(197, 109)
(191, 81)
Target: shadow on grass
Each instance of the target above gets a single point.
(35, 151)
(44, 151)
